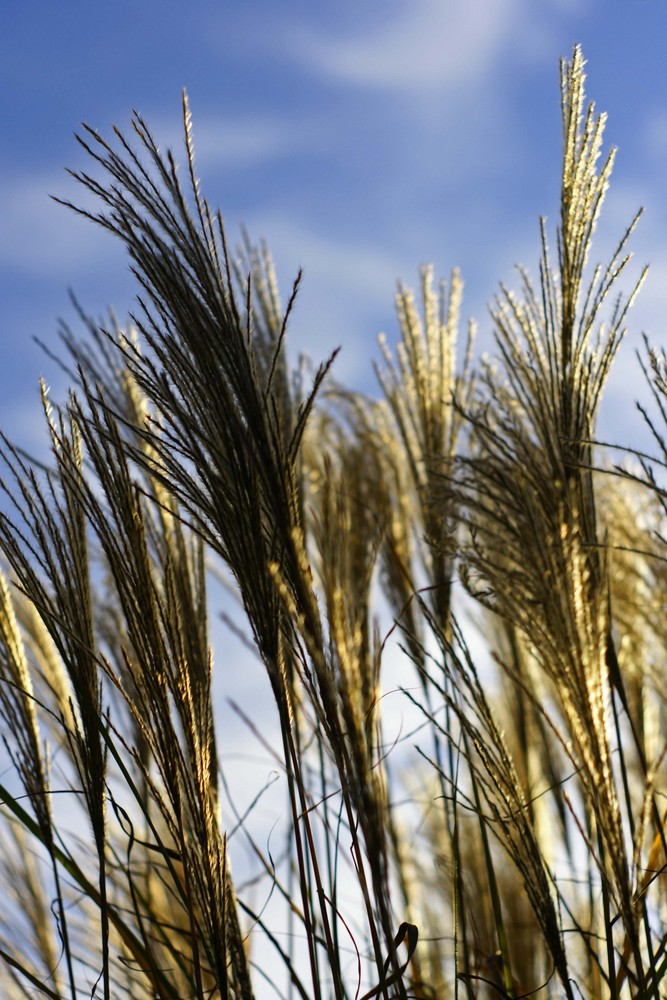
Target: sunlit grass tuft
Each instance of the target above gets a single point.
(457, 533)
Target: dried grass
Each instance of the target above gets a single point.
(518, 848)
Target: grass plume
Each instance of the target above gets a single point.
(453, 547)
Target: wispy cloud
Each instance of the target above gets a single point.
(38, 236)
(257, 139)
(234, 141)
(654, 136)
(347, 292)
(427, 45)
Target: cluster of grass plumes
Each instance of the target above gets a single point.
(454, 533)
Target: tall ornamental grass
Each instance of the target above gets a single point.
(462, 528)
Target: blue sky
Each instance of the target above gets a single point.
(361, 139)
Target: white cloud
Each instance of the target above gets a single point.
(235, 141)
(41, 237)
(347, 285)
(655, 136)
(430, 45)
(258, 139)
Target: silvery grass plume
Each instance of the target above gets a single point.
(225, 441)
(534, 551)
(157, 576)
(519, 851)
